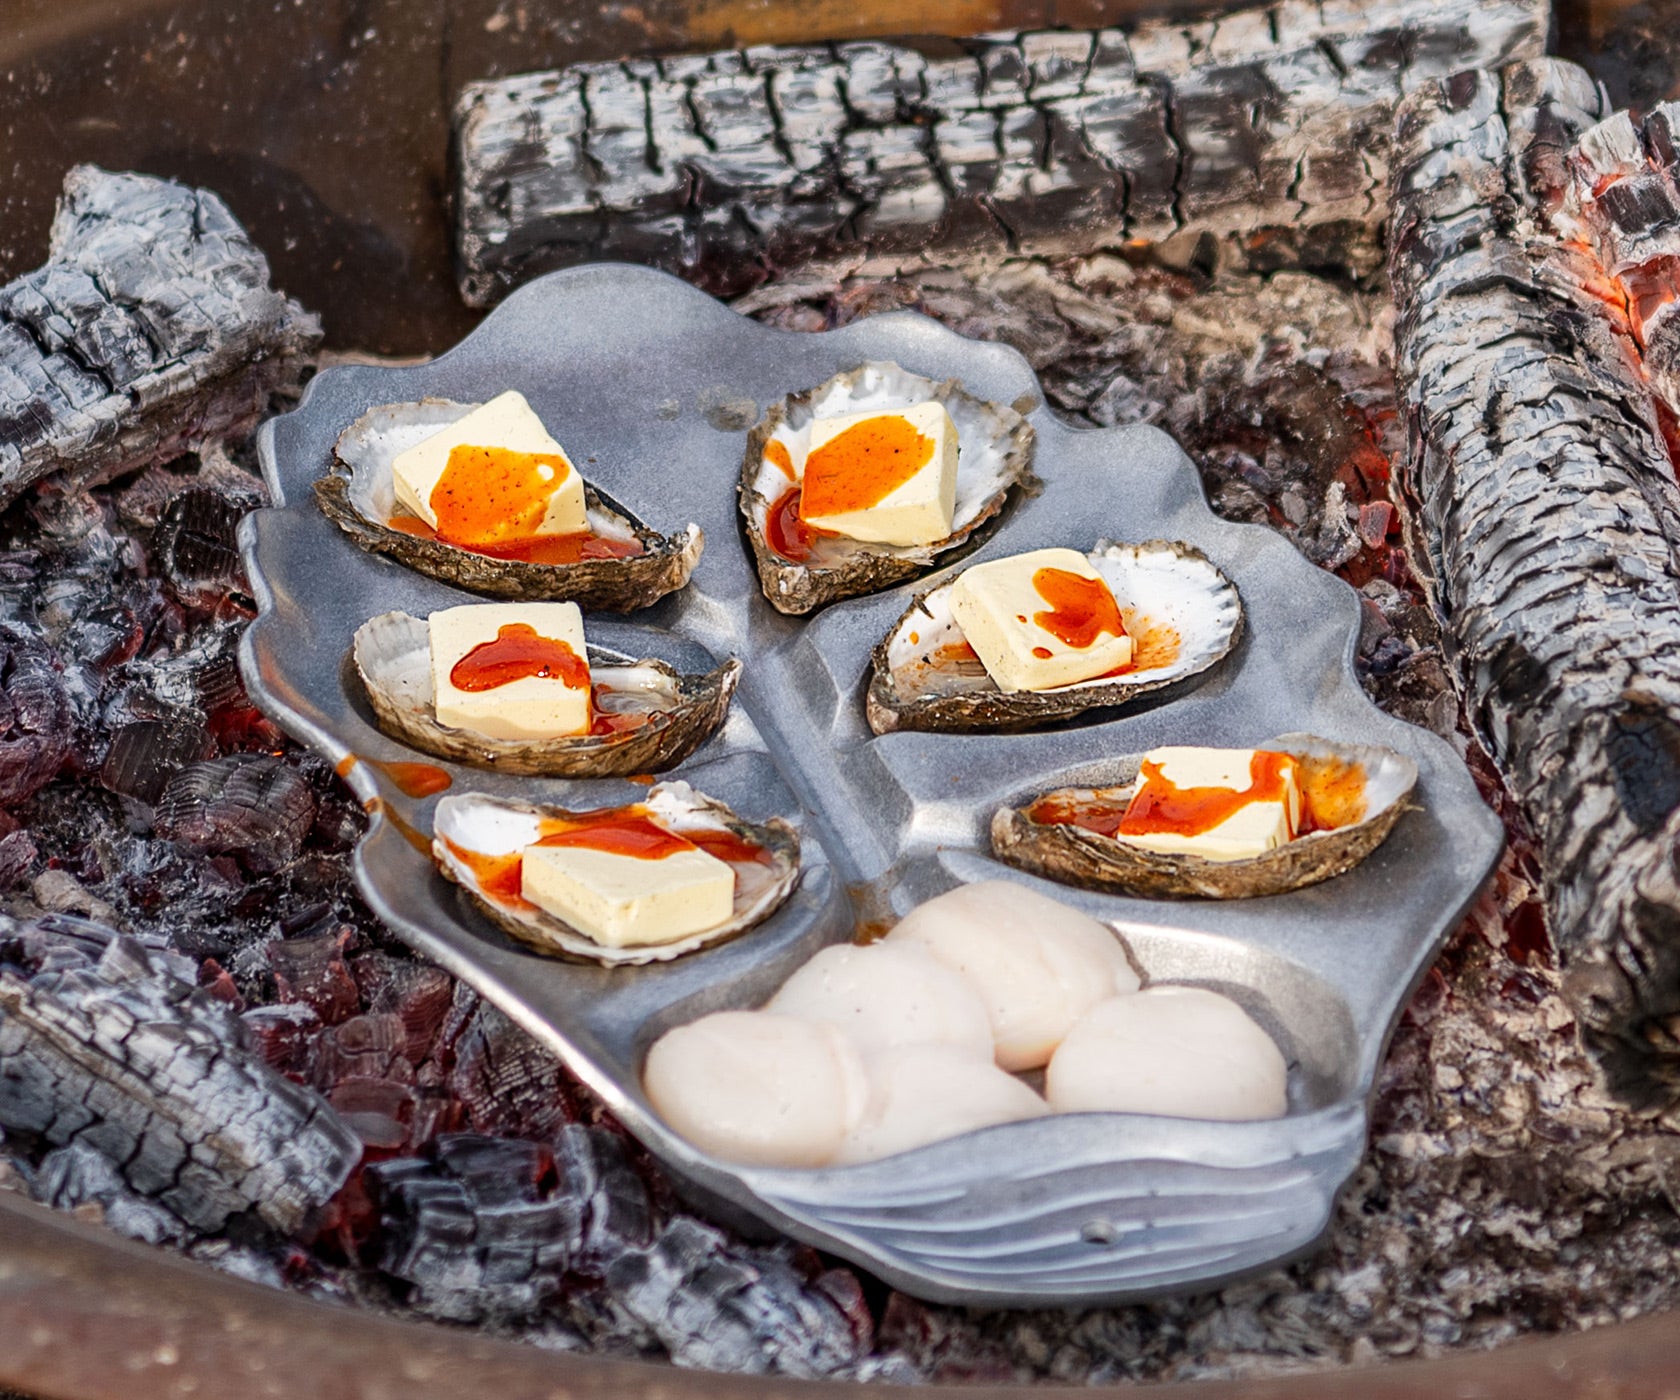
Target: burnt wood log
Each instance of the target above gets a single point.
(1550, 516)
(151, 328)
(123, 1056)
(1625, 193)
(725, 166)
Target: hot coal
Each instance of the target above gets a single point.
(151, 327)
(251, 805)
(35, 717)
(1274, 125)
(123, 1057)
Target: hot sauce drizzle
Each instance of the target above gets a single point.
(542, 549)
(411, 779)
(863, 465)
(494, 495)
(518, 653)
(786, 530)
(625, 831)
(1081, 609)
(1160, 807)
(776, 454)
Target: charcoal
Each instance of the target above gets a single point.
(284, 1036)
(364, 1047)
(252, 805)
(724, 167)
(77, 1176)
(150, 328)
(1549, 511)
(615, 1212)
(718, 1306)
(506, 1082)
(35, 717)
(125, 1058)
(146, 754)
(312, 970)
(418, 994)
(197, 548)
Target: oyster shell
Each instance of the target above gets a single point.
(359, 497)
(473, 824)
(392, 654)
(994, 453)
(1360, 789)
(1183, 614)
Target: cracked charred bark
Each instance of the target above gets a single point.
(1548, 505)
(151, 328)
(122, 1056)
(1273, 125)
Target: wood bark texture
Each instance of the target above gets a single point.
(1547, 503)
(724, 167)
(151, 328)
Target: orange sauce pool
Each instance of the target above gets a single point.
(776, 454)
(495, 495)
(863, 465)
(1332, 792)
(785, 529)
(626, 831)
(1081, 609)
(518, 653)
(541, 549)
(375, 806)
(411, 779)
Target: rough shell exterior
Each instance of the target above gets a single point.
(930, 698)
(393, 658)
(361, 476)
(995, 446)
(1074, 856)
(492, 826)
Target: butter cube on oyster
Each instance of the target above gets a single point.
(511, 670)
(1220, 804)
(493, 477)
(628, 883)
(885, 478)
(1041, 620)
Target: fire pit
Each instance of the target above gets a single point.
(1505, 1191)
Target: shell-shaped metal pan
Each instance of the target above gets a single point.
(657, 382)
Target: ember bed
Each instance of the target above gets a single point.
(1414, 319)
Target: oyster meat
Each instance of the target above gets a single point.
(479, 843)
(649, 716)
(624, 565)
(800, 570)
(1182, 613)
(1351, 795)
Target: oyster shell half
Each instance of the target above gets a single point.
(392, 654)
(994, 453)
(1356, 793)
(358, 495)
(1182, 613)
(476, 837)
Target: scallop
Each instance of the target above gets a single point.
(994, 455)
(1355, 793)
(1038, 964)
(1182, 613)
(759, 1089)
(887, 995)
(359, 496)
(477, 840)
(926, 1093)
(664, 714)
(1181, 1052)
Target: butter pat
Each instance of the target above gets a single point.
(507, 421)
(1254, 828)
(624, 901)
(531, 707)
(1019, 630)
(842, 479)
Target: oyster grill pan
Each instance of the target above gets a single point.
(652, 386)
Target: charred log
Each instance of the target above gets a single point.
(152, 327)
(1550, 514)
(104, 1046)
(1272, 124)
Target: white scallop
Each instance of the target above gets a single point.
(888, 995)
(926, 1093)
(758, 1089)
(1038, 964)
(1183, 1052)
